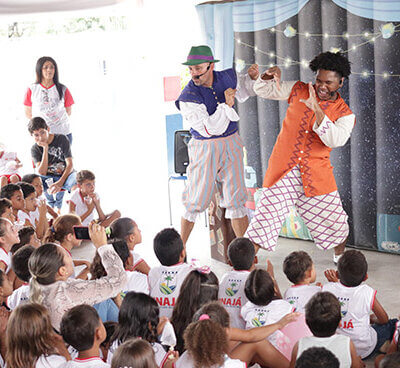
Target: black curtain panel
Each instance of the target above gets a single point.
(367, 168)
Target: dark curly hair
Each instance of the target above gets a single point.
(336, 62)
(207, 343)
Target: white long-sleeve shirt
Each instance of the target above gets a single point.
(197, 117)
(332, 133)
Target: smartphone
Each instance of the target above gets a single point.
(81, 232)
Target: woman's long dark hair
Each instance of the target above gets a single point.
(197, 289)
(137, 311)
(39, 76)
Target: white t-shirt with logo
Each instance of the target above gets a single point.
(165, 283)
(257, 316)
(137, 282)
(231, 294)
(93, 362)
(50, 361)
(160, 354)
(299, 295)
(19, 296)
(5, 258)
(356, 306)
(46, 103)
(7, 160)
(186, 361)
(81, 207)
(339, 345)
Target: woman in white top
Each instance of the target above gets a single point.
(50, 285)
(49, 99)
(31, 341)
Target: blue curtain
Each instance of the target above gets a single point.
(367, 167)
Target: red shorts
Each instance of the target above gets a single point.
(8, 177)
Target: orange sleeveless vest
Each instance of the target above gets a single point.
(298, 144)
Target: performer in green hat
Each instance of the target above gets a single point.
(216, 150)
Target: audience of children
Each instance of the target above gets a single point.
(84, 200)
(127, 229)
(37, 285)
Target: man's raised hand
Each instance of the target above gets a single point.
(311, 101)
(273, 73)
(230, 96)
(253, 72)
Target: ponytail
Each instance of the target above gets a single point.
(197, 289)
(43, 264)
(62, 226)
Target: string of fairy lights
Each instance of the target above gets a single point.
(385, 31)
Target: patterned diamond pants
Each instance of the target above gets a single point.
(323, 214)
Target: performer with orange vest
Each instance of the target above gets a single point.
(299, 171)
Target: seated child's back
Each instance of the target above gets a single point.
(165, 281)
(262, 307)
(357, 301)
(299, 269)
(323, 318)
(241, 254)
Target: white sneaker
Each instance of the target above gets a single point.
(336, 258)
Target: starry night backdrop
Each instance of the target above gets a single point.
(367, 168)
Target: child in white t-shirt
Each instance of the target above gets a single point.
(263, 307)
(138, 317)
(127, 229)
(242, 258)
(82, 328)
(357, 301)
(84, 201)
(9, 165)
(20, 267)
(26, 323)
(165, 281)
(299, 269)
(323, 318)
(24, 215)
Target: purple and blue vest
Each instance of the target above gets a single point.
(211, 97)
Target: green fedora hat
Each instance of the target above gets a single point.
(199, 55)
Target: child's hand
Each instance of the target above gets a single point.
(4, 315)
(270, 269)
(97, 234)
(331, 275)
(173, 356)
(318, 284)
(163, 320)
(290, 317)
